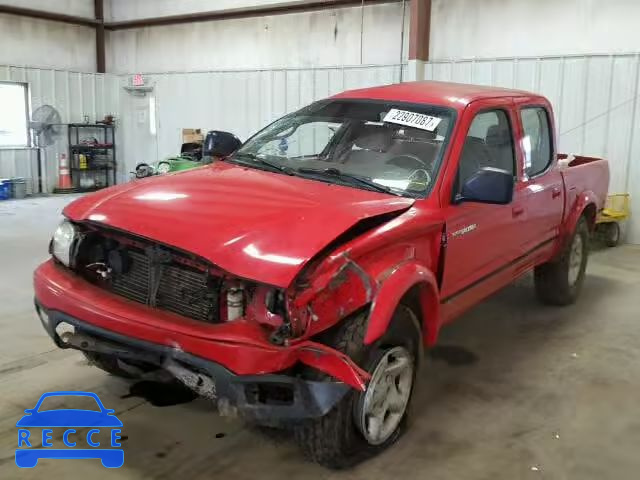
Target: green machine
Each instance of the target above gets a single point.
(190, 157)
(171, 164)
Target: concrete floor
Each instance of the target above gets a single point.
(516, 391)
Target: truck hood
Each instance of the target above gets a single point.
(252, 223)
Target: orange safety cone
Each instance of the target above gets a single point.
(64, 176)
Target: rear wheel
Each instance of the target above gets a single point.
(143, 170)
(612, 234)
(559, 281)
(365, 423)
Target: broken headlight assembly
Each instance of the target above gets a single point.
(261, 302)
(62, 242)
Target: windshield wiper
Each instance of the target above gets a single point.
(263, 161)
(347, 177)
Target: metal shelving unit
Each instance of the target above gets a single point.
(98, 169)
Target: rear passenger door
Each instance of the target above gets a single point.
(543, 184)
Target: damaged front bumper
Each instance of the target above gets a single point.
(233, 363)
(267, 399)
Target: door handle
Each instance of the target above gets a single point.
(555, 192)
(517, 211)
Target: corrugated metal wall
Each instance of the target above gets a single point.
(596, 106)
(74, 95)
(239, 101)
(245, 101)
(595, 99)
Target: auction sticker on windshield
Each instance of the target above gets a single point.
(412, 119)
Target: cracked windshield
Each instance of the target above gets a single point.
(391, 148)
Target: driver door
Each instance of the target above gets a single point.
(481, 239)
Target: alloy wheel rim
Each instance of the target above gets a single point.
(575, 259)
(387, 395)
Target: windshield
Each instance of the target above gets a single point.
(384, 146)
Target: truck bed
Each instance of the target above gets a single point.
(584, 175)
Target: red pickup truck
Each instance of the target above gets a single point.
(297, 281)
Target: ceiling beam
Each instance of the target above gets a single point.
(100, 25)
(242, 13)
(52, 16)
(419, 30)
(228, 14)
(100, 44)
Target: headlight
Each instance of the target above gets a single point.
(62, 242)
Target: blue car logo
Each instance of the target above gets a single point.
(97, 420)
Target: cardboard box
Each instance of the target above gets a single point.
(192, 135)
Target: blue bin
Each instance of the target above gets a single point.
(5, 189)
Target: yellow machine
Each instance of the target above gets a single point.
(616, 210)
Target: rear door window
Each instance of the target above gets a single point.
(536, 141)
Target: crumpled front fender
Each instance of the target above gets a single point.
(396, 284)
(240, 346)
(334, 363)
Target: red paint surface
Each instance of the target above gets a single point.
(267, 227)
(58, 289)
(255, 224)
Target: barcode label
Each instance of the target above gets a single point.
(412, 119)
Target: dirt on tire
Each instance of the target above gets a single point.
(551, 279)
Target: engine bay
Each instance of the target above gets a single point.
(168, 279)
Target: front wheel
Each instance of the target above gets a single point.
(365, 423)
(381, 409)
(559, 281)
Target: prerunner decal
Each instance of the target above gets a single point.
(412, 119)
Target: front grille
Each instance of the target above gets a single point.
(134, 284)
(185, 292)
(161, 278)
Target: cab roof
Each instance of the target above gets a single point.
(447, 94)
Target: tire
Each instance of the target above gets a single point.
(111, 365)
(166, 166)
(612, 234)
(559, 281)
(337, 440)
(143, 170)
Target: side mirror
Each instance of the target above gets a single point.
(220, 144)
(488, 185)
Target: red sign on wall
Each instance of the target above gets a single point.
(138, 80)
